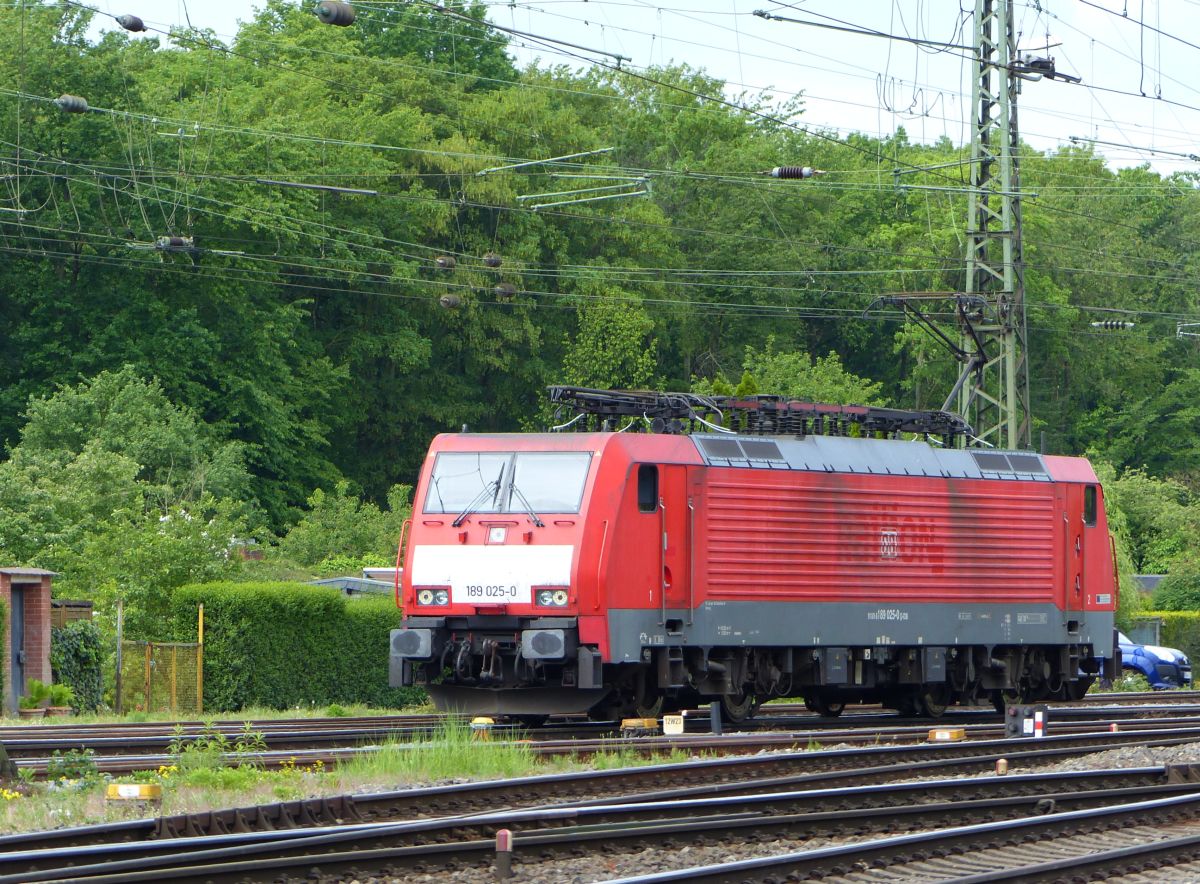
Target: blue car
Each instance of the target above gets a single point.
(1163, 667)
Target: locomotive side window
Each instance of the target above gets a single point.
(1089, 506)
(647, 488)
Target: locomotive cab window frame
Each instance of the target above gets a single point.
(1089, 506)
(647, 488)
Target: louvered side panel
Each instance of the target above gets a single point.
(837, 537)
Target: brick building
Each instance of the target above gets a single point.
(25, 593)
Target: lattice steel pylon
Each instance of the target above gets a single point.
(993, 391)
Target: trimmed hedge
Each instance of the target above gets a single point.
(1180, 629)
(77, 659)
(287, 644)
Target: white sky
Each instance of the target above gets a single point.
(869, 84)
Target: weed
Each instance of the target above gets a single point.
(333, 710)
(74, 764)
(1131, 681)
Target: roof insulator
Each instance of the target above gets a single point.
(72, 104)
(131, 23)
(335, 12)
(793, 172)
(444, 262)
(491, 259)
(505, 290)
(174, 243)
(450, 302)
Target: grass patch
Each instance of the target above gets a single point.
(452, 751)
(200, 779)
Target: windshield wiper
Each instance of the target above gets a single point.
(490, 488)
(525, 503)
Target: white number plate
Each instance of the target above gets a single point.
(490, 592)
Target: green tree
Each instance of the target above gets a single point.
(340, 525)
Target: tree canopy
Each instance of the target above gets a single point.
(254, 279)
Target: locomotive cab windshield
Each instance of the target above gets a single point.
(524, 483)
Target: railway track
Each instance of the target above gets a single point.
(726, 776)
(122, 749)
(1156, 835)
(545, 835)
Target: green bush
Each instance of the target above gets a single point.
(286, 644)
(1180, 589)
(76, 658)
(1180, 629)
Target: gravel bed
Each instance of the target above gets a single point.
(616, 864)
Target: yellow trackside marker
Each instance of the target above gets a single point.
(639, 725)
(481, 728)
(947, 734)
(134, 792)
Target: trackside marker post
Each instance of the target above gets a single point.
(714, 716)
(504, 848)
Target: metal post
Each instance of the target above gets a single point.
(200, 661)
(149, 651)
(714, 717)
(504, 847)
(996, 400)
(120, 640)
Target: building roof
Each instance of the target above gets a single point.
(28, 572)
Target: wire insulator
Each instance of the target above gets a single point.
(1113, 324)
(444, 262)
(505, 290)
(450, 302)
(793, 172)
(173, 243)
(72, 104)
(335, 12)
(131, 23)
(491, 259)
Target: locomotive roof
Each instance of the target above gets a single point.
(831, 454)
(840, 454)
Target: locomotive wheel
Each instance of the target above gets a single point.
(1076, 690)
(646, 709)
(933, 700)
(648, 702)
(738, 709)
(823, 706)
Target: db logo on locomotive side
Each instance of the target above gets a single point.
(889, 544)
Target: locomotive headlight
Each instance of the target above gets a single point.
(441, 597)
(425, 597)
(551, 598)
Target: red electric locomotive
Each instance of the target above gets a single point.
(777, 549)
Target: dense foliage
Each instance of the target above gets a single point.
(77, 658)
(281, 645)
(273, 378)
